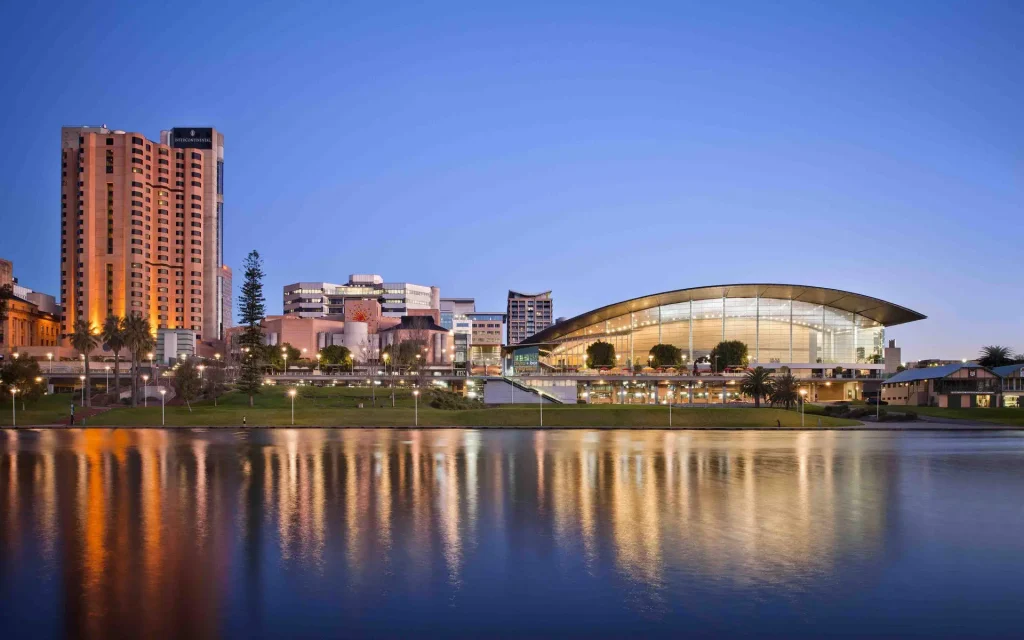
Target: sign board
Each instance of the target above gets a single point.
(192, 138)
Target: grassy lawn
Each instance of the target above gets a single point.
(1010, 417)
(47, 410)
(339, 407)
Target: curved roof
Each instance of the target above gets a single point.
(885, 313)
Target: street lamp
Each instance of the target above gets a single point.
(150, 356)
(284, 351)
(107, 380)
(14, 418)
(318, 362)
(803, 401)
(145, 389)
(416, 401)
(82, 378)
(49, 357)
(291, 392)
(201, 367)
(163, 394)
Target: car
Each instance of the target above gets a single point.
(874, 401)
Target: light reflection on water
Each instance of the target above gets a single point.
(458, 532)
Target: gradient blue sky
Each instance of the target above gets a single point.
(601, 150)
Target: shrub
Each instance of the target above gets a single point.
(450, 400)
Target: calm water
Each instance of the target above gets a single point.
(308, 533)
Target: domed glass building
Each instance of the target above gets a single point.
(802, 327)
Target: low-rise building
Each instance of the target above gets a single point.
(1012, 377)
(32, 318)
(957, 385)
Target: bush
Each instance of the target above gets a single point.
(858, 413)
(450, 400)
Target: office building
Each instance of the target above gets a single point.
(142, 228)
(455, 318)
(327, 300)
(528, 313)
(488, 328)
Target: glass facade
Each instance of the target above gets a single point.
(774, 330)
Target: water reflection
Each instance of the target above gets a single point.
(152, 533)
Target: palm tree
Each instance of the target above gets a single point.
(139, 340)
(995, 356)
(83, 340)
(784, 390)
(113, 335)
(757, 383)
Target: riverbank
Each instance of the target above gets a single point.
(340, 407)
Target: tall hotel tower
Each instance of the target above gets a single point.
(142, 229)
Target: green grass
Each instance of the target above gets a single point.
(338, 407)
(1009, 417)
(50, 409)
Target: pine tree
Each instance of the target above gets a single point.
(252, 308)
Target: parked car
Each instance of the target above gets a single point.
(874, 401)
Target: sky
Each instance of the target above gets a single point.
(602, 150)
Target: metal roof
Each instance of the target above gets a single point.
(930, 373)
(885, 313)
(1008, 370)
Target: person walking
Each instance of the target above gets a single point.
(72, 422)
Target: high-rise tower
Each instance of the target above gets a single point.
(142, 228)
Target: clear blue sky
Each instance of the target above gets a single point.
(602, 150)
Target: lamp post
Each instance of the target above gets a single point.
(803, 401)
(107, 378)
(49, 357)
(291, 392)
(14, 418)
(318, 363)
(163, 394)
(150, 355)
(201, 368)
(145, 389)
(416, 405)
(540, 401)
(82, 378)
(284, 352)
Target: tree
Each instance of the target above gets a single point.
(216, 382)
(995, 356)
(251, 310)
(407, 350)
(84, 340)
(24, 375)
(600, 354)
(728, 353)
(293, 353)
(335, 354)
(187, 382)
(666, 355)
(784, 390)
(138, 338)
(757, 383)
(113, 335)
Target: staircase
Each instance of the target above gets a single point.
(531, 394)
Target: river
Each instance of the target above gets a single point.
(510, 533)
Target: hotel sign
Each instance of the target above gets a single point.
(189, 138)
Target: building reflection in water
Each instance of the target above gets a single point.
(151, 533)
